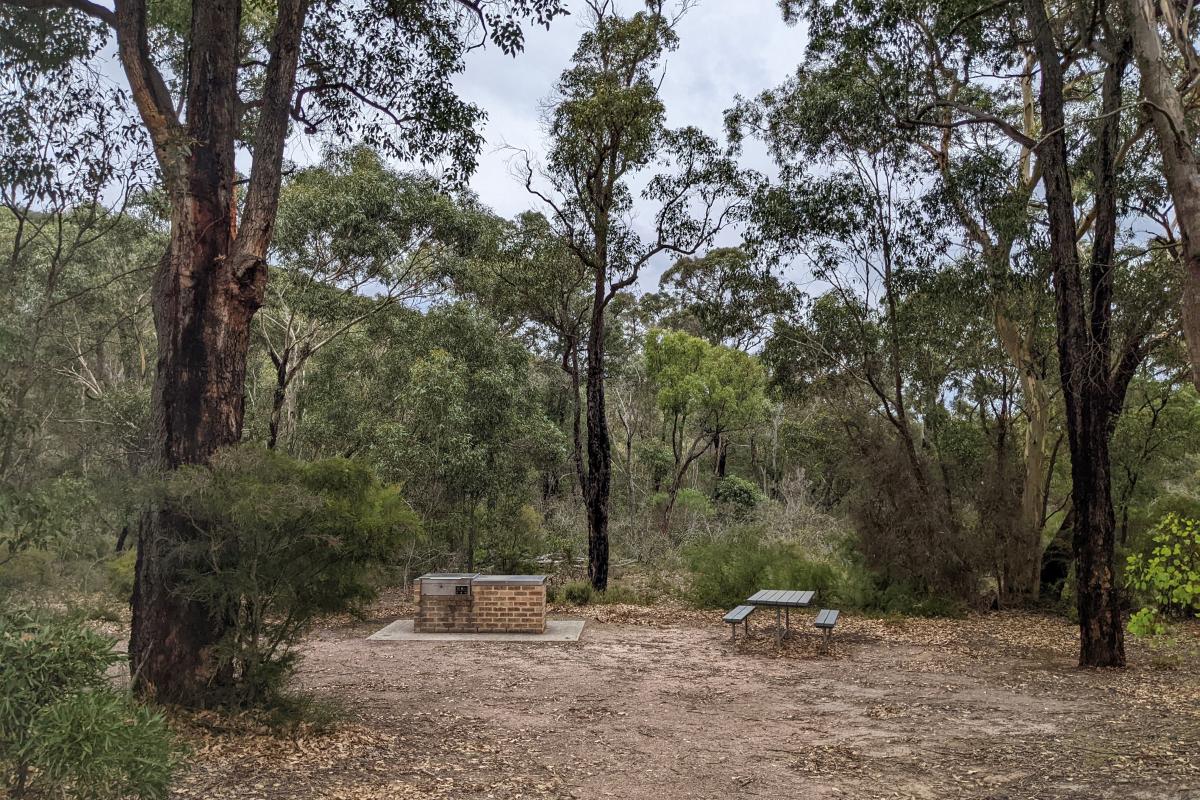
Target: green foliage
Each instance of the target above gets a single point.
(710, 387)
(511, 539)
(1147, 622)
(351, 219)
(64, 730)
(280, 542)
(467, 431)
(45, 516)
(101, 745)
(1180, 493)
(1167, 574)
(689, 502)
(577, 593)
(656, 458)
(737, 496)
(871, 592)
(618, 593)
(729, 568)
(120, 572)
(725, 298)
(28, 569)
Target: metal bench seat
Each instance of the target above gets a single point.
(827, 618)
(739, 615)
(825, 622)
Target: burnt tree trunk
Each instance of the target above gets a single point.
(1083, 334)
(599, 445)
(208, 285)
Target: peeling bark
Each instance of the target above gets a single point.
(208, 286)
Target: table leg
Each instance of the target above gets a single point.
(778, 625)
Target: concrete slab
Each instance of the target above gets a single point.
(557, 630)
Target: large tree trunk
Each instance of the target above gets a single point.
(599, 446)
(202, 316)
(1083, 342)
(207, 288)
(1180, 164)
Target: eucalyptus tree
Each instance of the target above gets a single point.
(526, 275)
(352, 226)
(210, 79)
(607, 126)
(950, 84)
(1164, 43)
(705, 391)
(468, 429)
(74, 310)
(922, 81)
(1083, 300)
(725, 297)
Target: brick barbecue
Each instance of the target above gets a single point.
(459, 602)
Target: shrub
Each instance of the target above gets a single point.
(1167, 576)
(64, 730)
(736, 496)
(1147, 622)
(33, 519)
(691, 507)
(729, 568)
(120, 570)
(657, 458)
(26, 569)
(279, 543)
(869, 591)
(906, 535)
(577, 593)
(512, 540)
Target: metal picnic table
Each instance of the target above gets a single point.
(784, 601)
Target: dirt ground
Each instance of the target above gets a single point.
(655, 703)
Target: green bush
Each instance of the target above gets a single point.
(737, 496)
(690, 504)
(120, 571)
(868, 591)
(1167, 574)
(511, 540)
(728, 569)
(64, 730)
(1147, 622)
(577, 593)
(26, 569)
(280, 542)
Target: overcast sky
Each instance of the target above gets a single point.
(726, 48)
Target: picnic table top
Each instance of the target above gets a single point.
(781, 597)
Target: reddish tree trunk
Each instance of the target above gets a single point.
(209, 284)
(202, 313)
